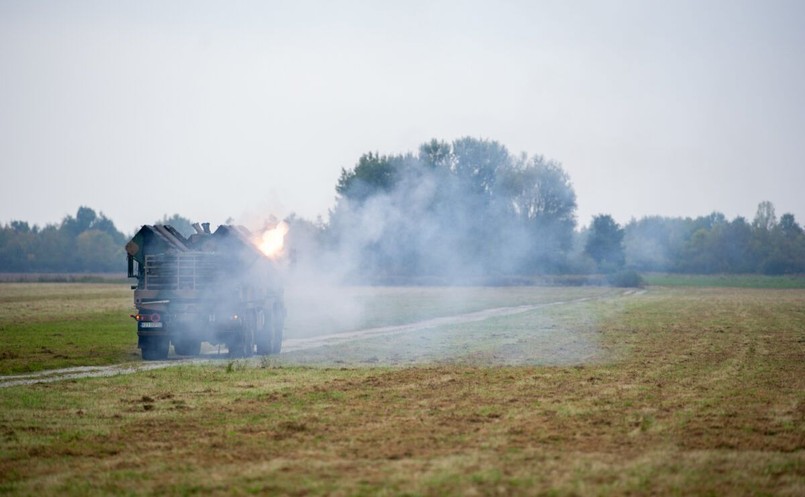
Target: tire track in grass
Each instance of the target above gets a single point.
(294, 344)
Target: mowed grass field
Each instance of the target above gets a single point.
(679, 391)
(56, 325)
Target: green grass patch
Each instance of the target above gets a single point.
(47, 326)
(726, 280)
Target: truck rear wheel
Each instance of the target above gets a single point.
(187, 346)
(277, 324)
(155, 348)
(242, 341)
(262, 332)
(276, 340)
(241, 346)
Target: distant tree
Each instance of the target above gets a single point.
(476, 162)
(701, 252)
(105, 225)
(605, 243)
(372, 175)
(789, 227)
(765, 218)
(467, 207)
(20, 226)
(653, 243)
(74, 226)
(540, 196)
(762, 232)
(436, 154)
(55, 252)
(98, 251)
(735, 249)
(18, 250)
(785, 248)
(541, 190)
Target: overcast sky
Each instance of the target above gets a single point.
(243, 109)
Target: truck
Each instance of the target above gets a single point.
(210, 287)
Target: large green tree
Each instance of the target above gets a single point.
(605, 243)
(465, 207)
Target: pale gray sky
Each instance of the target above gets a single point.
(243, 109)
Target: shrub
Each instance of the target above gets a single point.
(628, 278)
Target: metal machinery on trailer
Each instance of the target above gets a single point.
(210, 287)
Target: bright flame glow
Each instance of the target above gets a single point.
(273, 240)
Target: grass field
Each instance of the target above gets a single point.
(726, 280)
(679, 391)
(54, 325)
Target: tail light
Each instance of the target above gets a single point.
(147, 317)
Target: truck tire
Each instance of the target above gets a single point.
(262, 332)
(242, 341)
(248, 342)
(277, 324)
(187, 346)
(155, 348)
(238, 348)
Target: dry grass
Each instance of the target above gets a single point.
(36, 302)
(703, 394)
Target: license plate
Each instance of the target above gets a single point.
(150, 325)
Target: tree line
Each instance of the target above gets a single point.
(88, 242)
(461, 209)
(712, 244)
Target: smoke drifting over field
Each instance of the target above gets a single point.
(461, 215)
(512, 325)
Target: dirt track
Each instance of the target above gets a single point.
(289, 345)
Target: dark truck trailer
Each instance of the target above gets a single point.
(210, 287)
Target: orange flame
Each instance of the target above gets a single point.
(272, 241)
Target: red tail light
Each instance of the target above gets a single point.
(147, 317)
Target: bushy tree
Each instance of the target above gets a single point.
(97, 251)
(605, 243)
(653, 243)
(786, 251)
(373, 174)
(765, 218)
(467, 207)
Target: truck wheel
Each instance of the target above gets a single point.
(187, 346)
(248, 342)
(155, 348)
(242, 344)
(262, 332)
(277, 324)
(276, 341)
